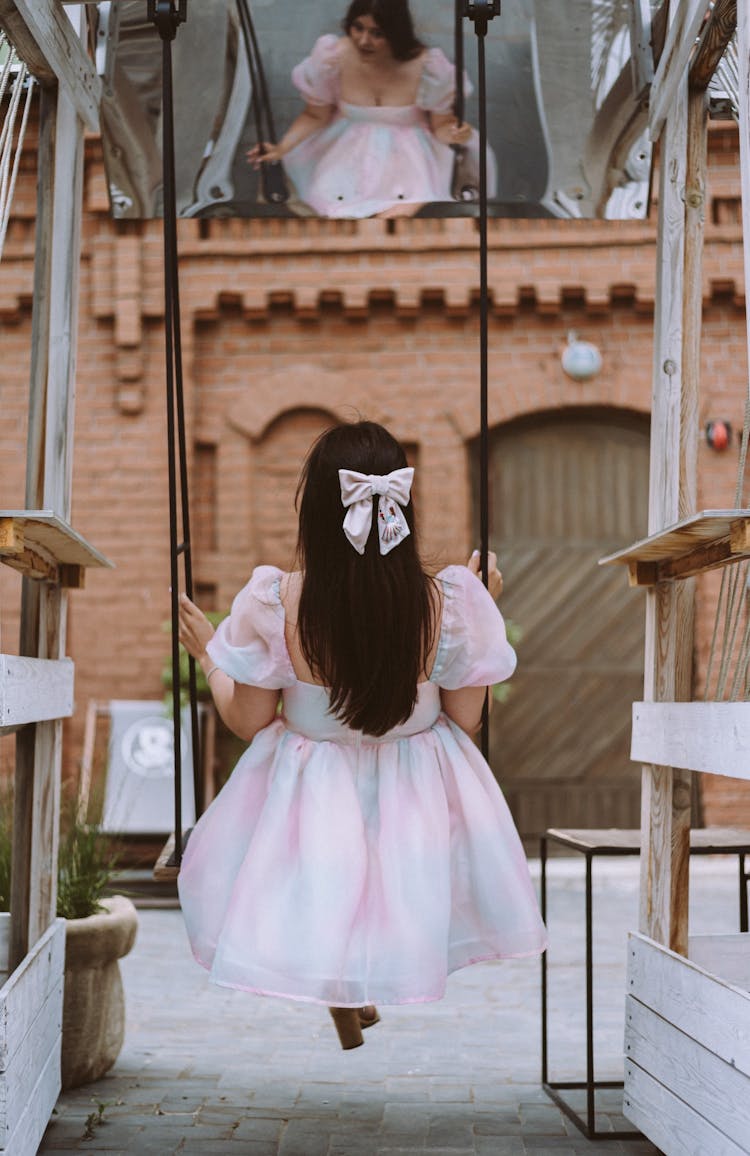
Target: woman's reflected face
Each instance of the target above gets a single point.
(368, 39)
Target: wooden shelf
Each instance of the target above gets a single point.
(39, 544)
(701, 542)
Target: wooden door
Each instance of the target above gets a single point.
(565, 490)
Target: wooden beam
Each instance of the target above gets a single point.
(34, 689)
(666, 792)
(717, 32)
(33, 564)
(641, 51)
(48, 486)
(713, 737)
(681, 37)
(46, 41)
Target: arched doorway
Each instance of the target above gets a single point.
(280, 454)
(566, 488)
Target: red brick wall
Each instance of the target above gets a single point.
(289, 323)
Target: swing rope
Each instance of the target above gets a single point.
(730, 607)
(10, 153)
(480, 12)
(272, 178)
(167, 15)
(167, 18)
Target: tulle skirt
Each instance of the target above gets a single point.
(354, 873)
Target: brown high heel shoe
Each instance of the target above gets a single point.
(348, 1026)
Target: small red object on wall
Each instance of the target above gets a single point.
(718, 434)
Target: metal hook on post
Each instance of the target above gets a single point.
(167, 15)
(481, 12)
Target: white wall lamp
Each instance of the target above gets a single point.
(581, 360)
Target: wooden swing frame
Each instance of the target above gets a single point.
(694, 40)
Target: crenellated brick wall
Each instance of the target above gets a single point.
(287, 324)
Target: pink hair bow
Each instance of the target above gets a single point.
(357, 492)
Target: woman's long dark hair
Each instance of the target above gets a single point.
(366, 621)
(394, 20)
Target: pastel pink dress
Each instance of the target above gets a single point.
(343, 869)
(368, 159)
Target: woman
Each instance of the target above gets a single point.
(376, 133)
(361, 849)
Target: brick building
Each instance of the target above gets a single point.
(289, 324)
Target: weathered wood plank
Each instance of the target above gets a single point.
(714, 1089)
(27, 987)
(706, 528)
(694, 197)
(41, 1101)
(724, 955)
(672, 71)
(670, 1124)
(706, 840)
(63, 310)
(40, 1042)
(31, 592)
(713, 737)
(34, 689)
(717, 32)
(45, 531)
(704, 1006)
(45, 39)
(48, 486)
(642, 54)
(665, 793)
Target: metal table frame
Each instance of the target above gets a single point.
(614, 843)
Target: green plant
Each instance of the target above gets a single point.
(94, 1119)
(86, 865)
(502, 691)
(86, 861)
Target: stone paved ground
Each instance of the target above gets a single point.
(210, 1072)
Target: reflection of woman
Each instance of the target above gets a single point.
(375, 135)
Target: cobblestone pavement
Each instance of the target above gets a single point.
(210, 1072)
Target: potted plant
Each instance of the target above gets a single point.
(99, 931)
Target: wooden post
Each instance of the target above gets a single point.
(666, 793)
(49, 467)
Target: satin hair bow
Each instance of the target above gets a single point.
(357, 492)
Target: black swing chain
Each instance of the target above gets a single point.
(480, 12)
(167, 15)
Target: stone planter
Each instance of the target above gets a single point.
(94, 1001)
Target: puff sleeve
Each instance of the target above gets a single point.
(438, 82)
(317, 76)
(473, 648)
(249, 645)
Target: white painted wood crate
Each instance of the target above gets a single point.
(31, 1003)
(687, 1045)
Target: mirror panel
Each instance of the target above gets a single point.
(566, 129)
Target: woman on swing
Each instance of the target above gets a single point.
(376, 132)
(361, 849)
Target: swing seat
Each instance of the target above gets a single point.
(166, 867)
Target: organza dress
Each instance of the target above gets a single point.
(370, 158)
(343, 869)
